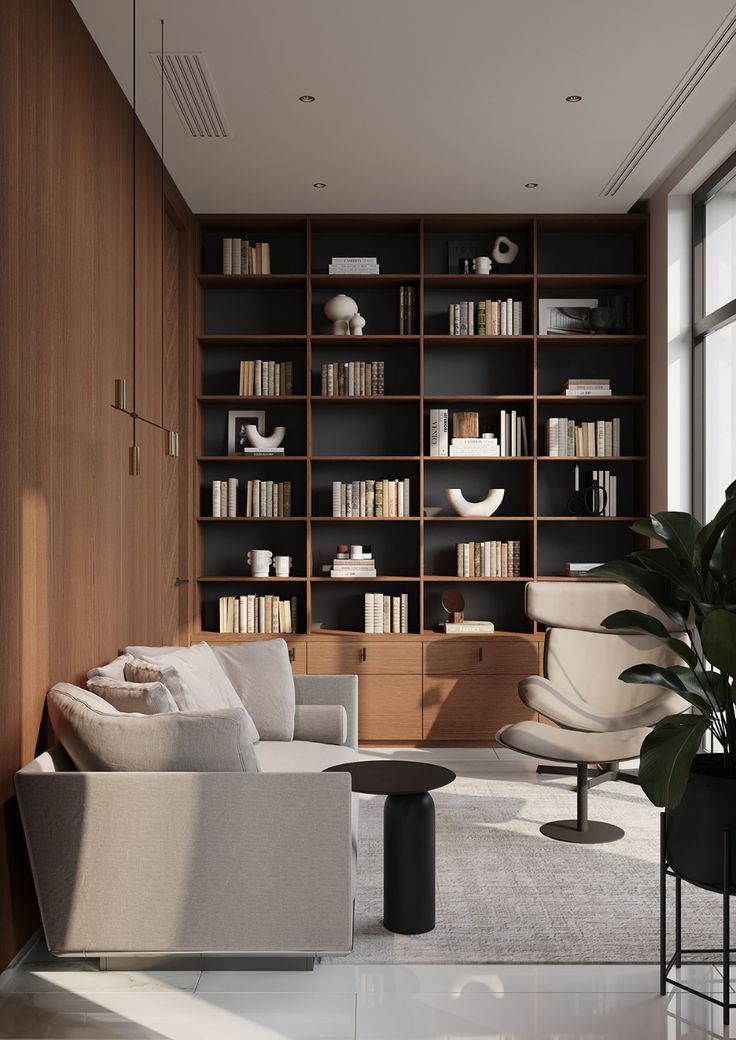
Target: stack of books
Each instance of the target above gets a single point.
(439, 435)
(579, 570)
(587, 440)
(483, 628)
(371, 498)
(239, 256)
(468, 447)
(268, 498)
(485, 318)
(352, 565)
(225, 497)
(489, 559)
(354, 265)
(587, 388)
(407, 309)
(386, 613)
(258, 614)
(352, 379)
(266, 378)
(512, 434)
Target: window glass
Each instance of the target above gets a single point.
(719, 415)
(720, 247)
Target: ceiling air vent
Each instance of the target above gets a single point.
(190, 86)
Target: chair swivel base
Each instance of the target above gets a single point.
(596, 833)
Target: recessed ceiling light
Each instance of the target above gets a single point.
(306, 98)
(319, 184)
(531, 184)
(572, 98)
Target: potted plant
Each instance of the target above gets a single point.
(691, 578)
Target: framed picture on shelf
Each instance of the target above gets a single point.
(237, 439)
(460, 253)
(565, 317)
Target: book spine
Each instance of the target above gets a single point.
(216, 506)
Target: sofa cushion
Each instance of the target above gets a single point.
(323, 723)
(146, 698)
(114, 670)
(260, 672)
(300, 756)
(194, 678)
(98, 738)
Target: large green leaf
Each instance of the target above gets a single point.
(719, 640)
(707, 540)
(653, 675)
(697, 682)
(679, 531)
(660, 591)
(666, 756)
(723, 561)
(683, 650)
(636, 620)
(645, 528)
(665, 563)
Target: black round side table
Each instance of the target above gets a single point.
(408, 837)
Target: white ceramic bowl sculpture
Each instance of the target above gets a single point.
(265, 443)
(340, 309)
(486, 507)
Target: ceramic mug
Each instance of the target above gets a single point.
(481, 265)
(282, 566)
(259, 561)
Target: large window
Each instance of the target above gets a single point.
(714, 239)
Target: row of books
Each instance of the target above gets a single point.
(354, 265)
(587, 388)
(384, 613)
(587, 439)
(509, 439)
(371, 498)
(258, 614)
(225, 497)
(485, 318)
(239, 256)
(352, 379)
(489, 559)
(604, 502)
(266, 378)
(407, 310)
(262, 498)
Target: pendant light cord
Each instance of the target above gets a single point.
(135, 231)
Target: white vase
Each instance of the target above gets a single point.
(357, 324)
(486, 507)
(340, 309)
(264, 443)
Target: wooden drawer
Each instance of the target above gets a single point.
(298, 657)
(390, 707)
(453, 656)
(471, 708)
(340, 657)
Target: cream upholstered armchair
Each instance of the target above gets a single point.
(599, 719)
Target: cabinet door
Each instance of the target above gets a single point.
(390, 708)
(491, 656)
(298, 657)
(353, 657)
(471, 707)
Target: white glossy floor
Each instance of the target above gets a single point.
(40, 999)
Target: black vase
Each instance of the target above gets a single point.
(695, 829)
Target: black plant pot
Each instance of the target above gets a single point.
(695, 827)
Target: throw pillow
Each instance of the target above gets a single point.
(114, 670)
(146, 698)
(98, 738)
(261, 674)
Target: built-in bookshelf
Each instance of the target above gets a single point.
(356, 434)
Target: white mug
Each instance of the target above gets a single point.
(481, 265)
(282, 566)
(259, 561)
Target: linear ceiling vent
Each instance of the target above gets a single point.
(191, 88)
(699, 69)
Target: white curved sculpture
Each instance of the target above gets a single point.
(265, 443)
(486, 507)
(340, 309)
(357, 324)
(504, 250)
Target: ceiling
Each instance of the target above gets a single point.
(428, 105)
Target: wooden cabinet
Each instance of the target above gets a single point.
(297, 656)
(356, 657)
(390, 708)
(471, 707)
(480, 657)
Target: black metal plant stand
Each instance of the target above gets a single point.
(665, 965)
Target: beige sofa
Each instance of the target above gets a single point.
(161, 863)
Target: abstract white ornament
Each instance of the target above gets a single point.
(487, 507)
(340, 309)
(264, 443)
(357, 323)
(504, 250)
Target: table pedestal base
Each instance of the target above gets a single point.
(408, 863)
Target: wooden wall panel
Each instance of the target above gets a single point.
(88, 554)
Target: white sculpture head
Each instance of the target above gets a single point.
(341, 308)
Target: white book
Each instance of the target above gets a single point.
(513, 450)
(588, 391)
(368, 612)
(484, 449)
(237, 263)
(444, 420)
(227, 256)
(434, 431)
(354, 269)
(232, 497)
(456, 627)
(216, 498)
(502, 433)
(404, 626)
(600, 438)
(354, 260)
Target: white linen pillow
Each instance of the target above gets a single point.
(146, 698)
(114, 670)
(262, 677)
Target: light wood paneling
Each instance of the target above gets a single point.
(480, 657)
(390, 708)
(297, 656)
(88, 553)
(333, 656)
(471, 708)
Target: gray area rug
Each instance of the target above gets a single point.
(507, 894)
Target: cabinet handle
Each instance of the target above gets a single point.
(480, 654)
(292, 654)
(363, 654)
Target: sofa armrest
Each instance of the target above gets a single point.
(178, 862)
(321, 723)
(332, 689)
